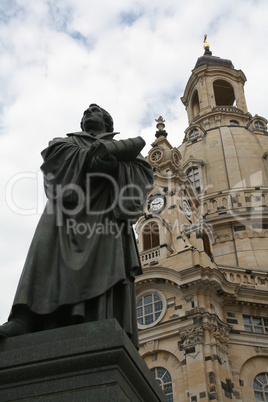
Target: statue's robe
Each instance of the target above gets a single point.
(83, 258)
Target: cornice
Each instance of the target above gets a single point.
(195, 276)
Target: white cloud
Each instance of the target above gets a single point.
(130, 56)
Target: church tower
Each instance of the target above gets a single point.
(202, 302)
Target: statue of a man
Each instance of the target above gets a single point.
(83, 259)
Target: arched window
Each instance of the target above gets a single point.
(206, 243)
(150, 236)
(163, 378)
(193, 175)
(234, 123)
(260, 386)
(193, 134)
(195, 104)
(259, 125)
(224, 93)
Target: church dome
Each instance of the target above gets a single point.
(207, 58)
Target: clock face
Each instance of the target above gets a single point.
(187, 208)
(157, 203)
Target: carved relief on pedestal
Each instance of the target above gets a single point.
(191, 336)
(221, 333)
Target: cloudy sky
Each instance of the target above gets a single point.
(132, 57)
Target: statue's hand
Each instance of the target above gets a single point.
(106, 164)
(96, 144)
(97, 148)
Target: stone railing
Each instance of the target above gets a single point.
(155, 254)
(228, 109)
(247, 278)
(235, 199)
(150, 255)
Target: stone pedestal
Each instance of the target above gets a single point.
(86, 362)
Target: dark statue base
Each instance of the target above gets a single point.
(85, 362)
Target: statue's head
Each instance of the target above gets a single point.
(108, 120)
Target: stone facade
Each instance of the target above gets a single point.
(202, 302)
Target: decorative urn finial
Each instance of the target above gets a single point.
(160, 123)
(160, 127)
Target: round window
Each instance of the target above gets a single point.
(151, 307)
(156, 155)
(176, 159)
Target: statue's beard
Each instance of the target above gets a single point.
(93, 125)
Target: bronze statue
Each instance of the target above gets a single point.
(83, 259)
